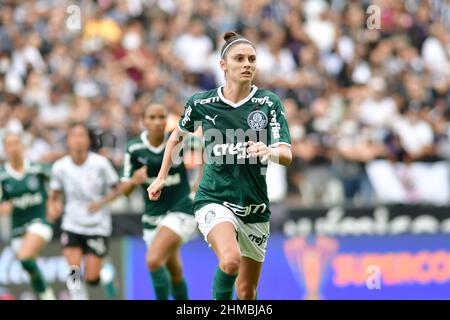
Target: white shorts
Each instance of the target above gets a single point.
(41, 229)
(252, 237)
(184, 225)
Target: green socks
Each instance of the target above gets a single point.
(161, 283)
(37, 280)
(223, 285)
(107, 276)
(179, 290)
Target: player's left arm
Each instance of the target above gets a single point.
(280, 154)
(278, 147)
(131, 177)
(111, 180)
(117, 190)
(125, 187)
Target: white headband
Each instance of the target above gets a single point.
(233, 42)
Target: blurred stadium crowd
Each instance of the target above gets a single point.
(352, 94)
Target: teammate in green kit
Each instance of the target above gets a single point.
(168, 223)
(22, 184)
(243, 128)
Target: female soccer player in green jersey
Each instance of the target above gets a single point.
(169, 222)
(23, 185)
(243, 128)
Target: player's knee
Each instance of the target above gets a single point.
(22, 255)
(245, 291)
(93, 281)
(230, 263)
(154, 262)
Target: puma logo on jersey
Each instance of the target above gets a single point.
(213, 120)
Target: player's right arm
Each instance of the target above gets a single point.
(125, 187)
(132, 176)
(54, 205)
(175, 139)
(188, 123)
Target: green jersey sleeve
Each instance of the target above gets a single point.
(45, 170)
(190, 120)
(278, 125)
(3, 193)
(128, 165)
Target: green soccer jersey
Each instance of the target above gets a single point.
(230, 177)
(27, 193)
(174, 196)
